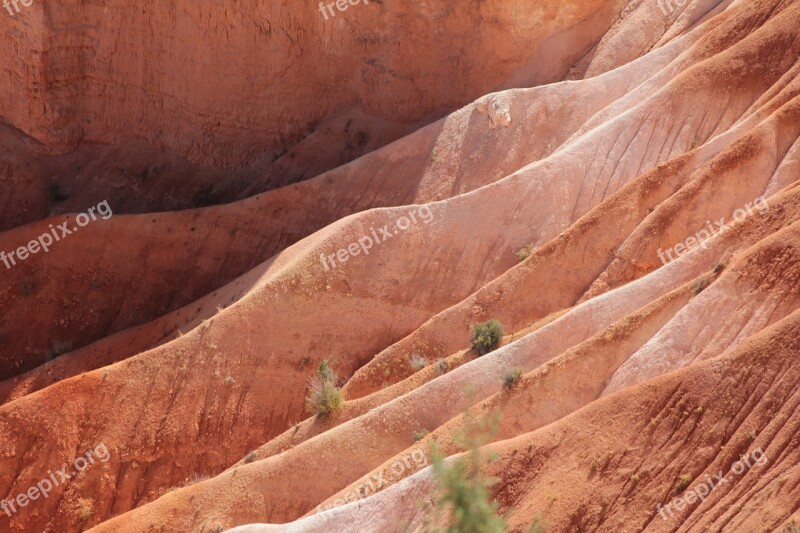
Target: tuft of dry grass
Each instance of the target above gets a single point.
(324, 398)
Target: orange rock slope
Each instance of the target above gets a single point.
(643, 155)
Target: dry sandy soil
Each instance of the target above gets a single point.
(645, 155)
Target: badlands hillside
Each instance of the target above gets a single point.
(400, 266)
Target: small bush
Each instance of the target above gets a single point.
(464, 492)
(791, 527)
(539, 525)
(85, 511)
(683, 482)
(324, 397)
(420, 434)
(486, 336)
(56, 194)
(196, 478)
(511, 378)
(418, 362)
(701, 285)
(326, 373)
(442, 366)
(250, 457)
(26, 289)
(525, 253)
(203, 196)
(59, 348)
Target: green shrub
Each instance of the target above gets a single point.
(683, 482)
(203, 196)
(701, 284)
(325, 372)
(85, 511)
(59, 348)
(791, 527)
(486, 336)
(539, 525)
(26, 289)
(420, 434)
(56, 194)
(418, 362)
(511, 378)
(464, 492)
(324, 397)
(525, 253)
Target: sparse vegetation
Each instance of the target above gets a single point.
(85, 512)
(442, 366)
(579, 513)
(464, 492)
(791, 527)
(701, 285)
(59, 348)
(511, 378)
(57, 194)
(230, 380)
(325, 372)
(250, 457)
(418, 362)
(525, 252)
(324, 397)
(719, 268)
(539, 525)
(25, 288)
(356, 140)
(420, 434)
(486, 336)
(196, 478)
(683, 482)
(203, 196)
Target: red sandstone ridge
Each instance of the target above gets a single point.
(235, 100)
(617, 183)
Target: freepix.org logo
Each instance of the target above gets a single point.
(46, 240)
(54, 479)
(365, 243)
(341, 5)
(8, 3)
